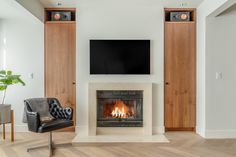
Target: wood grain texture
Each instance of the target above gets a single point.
(60, 71)
(182, 144)
(12, 126)
(180, 75)
(3, 131)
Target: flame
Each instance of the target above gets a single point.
(120, 110)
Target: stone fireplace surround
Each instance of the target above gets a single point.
(100, 135)
(93, 130)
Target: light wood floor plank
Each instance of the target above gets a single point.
(182, 144)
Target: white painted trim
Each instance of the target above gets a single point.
(220, 134)
(223, 8)
(200, 131)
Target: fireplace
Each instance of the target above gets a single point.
(119, 108)
(139, 123)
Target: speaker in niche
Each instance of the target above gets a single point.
(179, 16)
(61, 16)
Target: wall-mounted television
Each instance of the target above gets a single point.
(131, 57)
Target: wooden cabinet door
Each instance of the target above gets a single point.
(60, 47)
(180, 76)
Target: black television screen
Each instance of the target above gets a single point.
(120, 57)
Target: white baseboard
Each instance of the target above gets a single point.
(83, 130)
(215, 134)
(200, 131)
(17, 128)
(220, 134)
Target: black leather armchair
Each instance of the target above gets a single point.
(56, 117)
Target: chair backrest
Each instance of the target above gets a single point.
(47, 108)
(40, 105)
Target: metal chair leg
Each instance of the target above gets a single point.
(37, 147)
(50, 145)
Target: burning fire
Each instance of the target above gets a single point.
(118, 113)
(120, 110)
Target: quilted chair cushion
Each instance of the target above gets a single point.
(58, 112)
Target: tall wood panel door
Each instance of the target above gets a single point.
(60, 39)
(180, 76)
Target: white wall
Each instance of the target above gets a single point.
(205, 9)
(24, 55)
(1, 45)
(115, 21)
(24, 49)
(220, 93)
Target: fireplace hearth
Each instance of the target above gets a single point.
(119, 108)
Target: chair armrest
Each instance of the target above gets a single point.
(33, 120)
(61, 113)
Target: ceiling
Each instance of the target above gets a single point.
(165, 3)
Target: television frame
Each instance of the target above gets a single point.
(148, 71)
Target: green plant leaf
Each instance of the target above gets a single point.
(3, 72)
(3, 87)
(8, 81)
(7, 78)
(15, 81)
(13, 76)
(9, 72)
(20, 81)
(4, 81)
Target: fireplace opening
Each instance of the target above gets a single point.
(119, 108)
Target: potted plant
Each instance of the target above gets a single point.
(7, 79)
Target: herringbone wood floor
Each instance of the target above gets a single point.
(182, 144)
